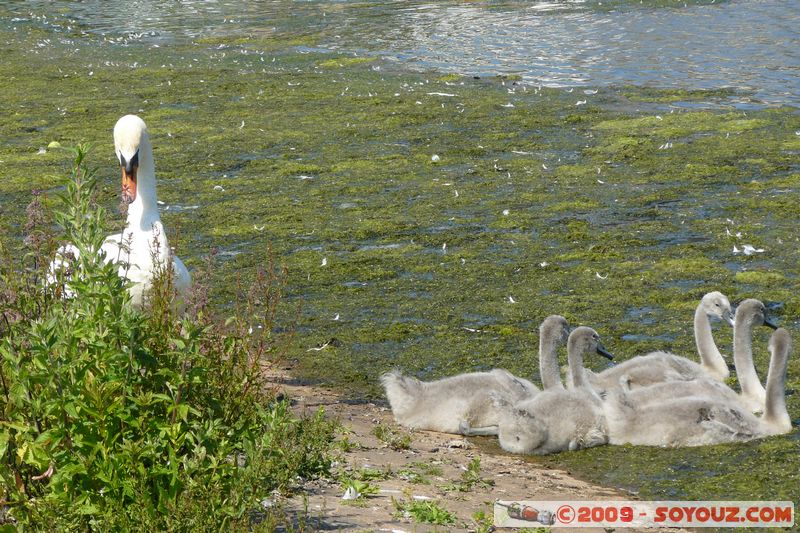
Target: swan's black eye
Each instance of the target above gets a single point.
(122, 160)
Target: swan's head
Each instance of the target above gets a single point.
(555, 326)
(520, 431)
(130, 134)
(751, 313)
(780, 342)
(717, 305)
(584, 339)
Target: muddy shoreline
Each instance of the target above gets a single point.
(319, 503)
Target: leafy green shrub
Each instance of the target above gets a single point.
(121, 419)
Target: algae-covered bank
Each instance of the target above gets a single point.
(428, 220)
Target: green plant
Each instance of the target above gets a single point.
(361, 488)
(116, 418)
(412, 476)
(417, 472)
(426, 512)
(369, 474)
(470, 477)
(393, 438)
(484, 521)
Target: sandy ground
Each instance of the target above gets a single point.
(442, 458)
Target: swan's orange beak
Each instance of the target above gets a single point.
(129, 169)
(129, 185)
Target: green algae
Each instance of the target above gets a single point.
(345, 61)
(447, 266)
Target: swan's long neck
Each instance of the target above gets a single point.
(575, 360)
(775, 412)
(710, 357)
(743, 359)
(143, 211)
(548, 360)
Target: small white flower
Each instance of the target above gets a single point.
(324, 261)
(506, 212)
(435, 158)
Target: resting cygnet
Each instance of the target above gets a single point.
(659, 366)
(702, 420)
(749, 314)
(556, 420)
(454, 404)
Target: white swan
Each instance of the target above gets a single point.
(700, 420)
(644, 370)
(749, 314)
(142, 246)
(556, 419)
(458, 403)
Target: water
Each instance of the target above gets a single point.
(749, 46)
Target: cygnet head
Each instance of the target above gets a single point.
(555, 323)
(715, 304)
(519, 431)
(583, 340)
(751, 313)
(780, 342)
(132, 146)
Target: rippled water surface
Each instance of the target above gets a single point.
(752, 46)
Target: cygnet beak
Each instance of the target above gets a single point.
(602, 351)
(769, 323)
